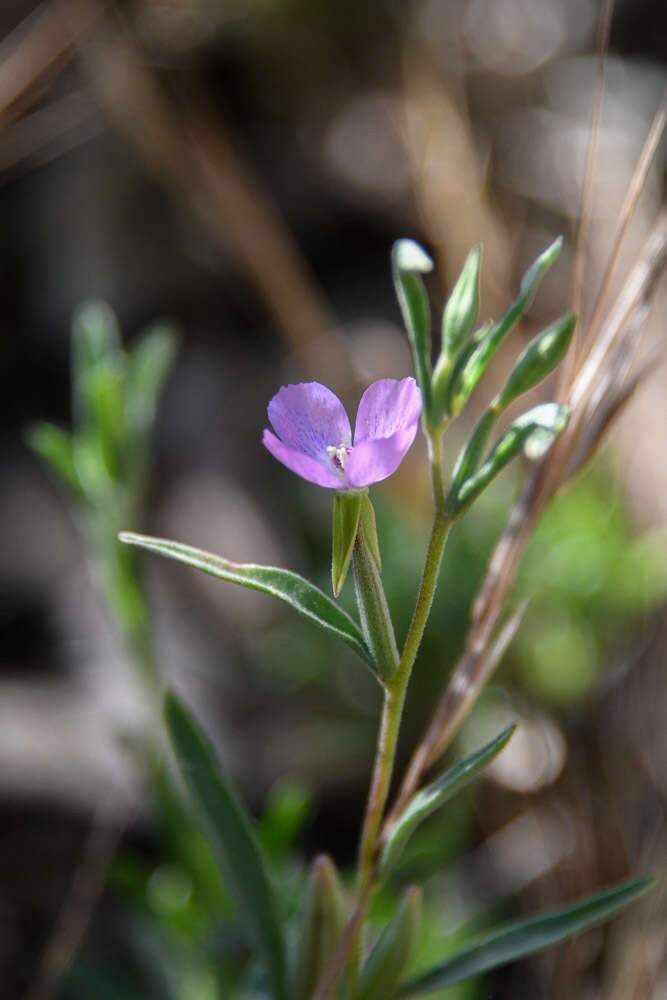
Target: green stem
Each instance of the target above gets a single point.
(380, 636)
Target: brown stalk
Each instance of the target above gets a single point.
(627, 211)
(604, 28)
(40, 47)
(186, 146)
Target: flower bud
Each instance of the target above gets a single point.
(409, 262)
(539, 358)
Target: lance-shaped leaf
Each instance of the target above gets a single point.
(539, 358)
(476, 364)
(458, 319)
(231, 837)
(95, 343)
(459, 364)
(430, 798)
(54, 446)
(321, 926)
(471, 455)
(533, 433)
(148, 363)
(516, 940)
(382, 971)
(306, 599)
(409, 262)
(346, 511)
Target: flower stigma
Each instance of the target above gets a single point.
(338, 457)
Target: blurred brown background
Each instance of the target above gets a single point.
(241, 170)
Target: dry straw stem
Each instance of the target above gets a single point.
(185, 145)
(592, 413)
(38, 49)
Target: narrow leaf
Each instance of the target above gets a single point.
(470, 456)
(533, 432)
(409, 262)
(430, 798)
(231, 837)
(393, 951)
(148, 364)
(346, 511)
(461, 360)
(516, 940)
(306, 599)
(476, 364)
(321, 926)
(95, 338)
(54, 446)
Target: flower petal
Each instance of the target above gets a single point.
(374, 459)
(304, 466)
(309, 418)
(386, 407)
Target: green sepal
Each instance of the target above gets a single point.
(383, 969)
(368, 525)
(409, 262)
(533, 433)
(430, 798)
(476, 364)
(511, 941)
(538, 359)
(322, 923)
(346, 511)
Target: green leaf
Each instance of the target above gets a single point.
(231, 837)
(533, 432)
(476, 364)
(346, 511)
(322, 923)
(283, 818)
(459, 364)
(409, 262)
(470, 456)
(430, 798)
(516, 940)
(539, 358)
(95, 338)
(303, 596)
(148, 364)
(54, 446)
(393, 951)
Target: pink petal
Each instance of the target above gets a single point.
(373, 460)
(388, 406)
(309, 418)
(304, 466)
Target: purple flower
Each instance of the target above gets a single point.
(314, 438)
